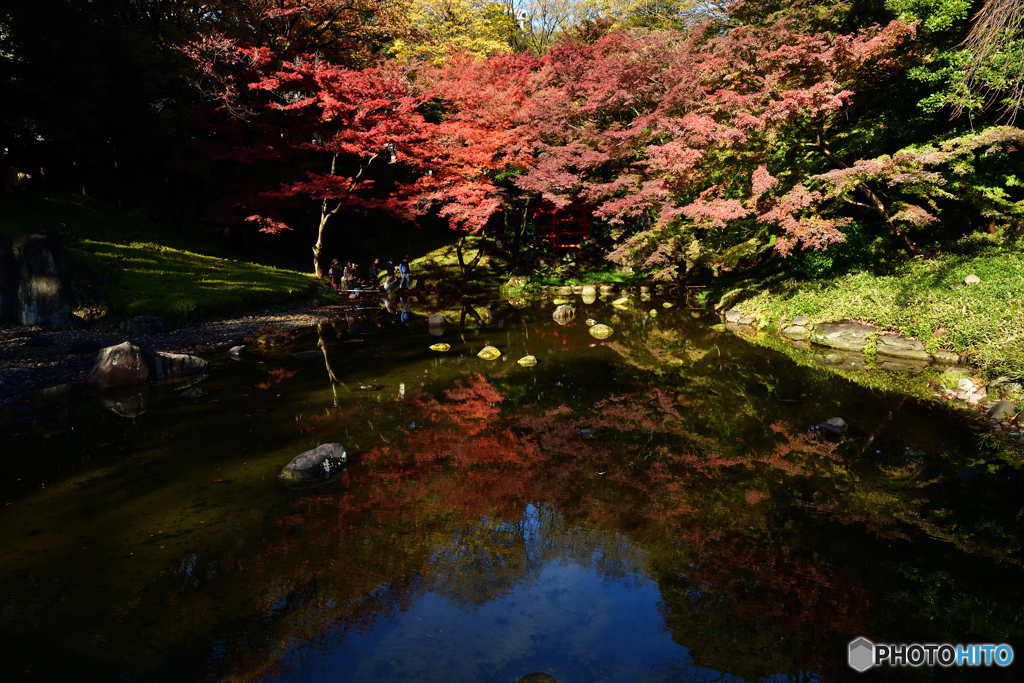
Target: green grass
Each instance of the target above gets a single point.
(923, 298)
(442, 264)
(143, 269)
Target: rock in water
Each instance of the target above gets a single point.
(194, 392)
(126, 364)
(527, 361)
(667, 304)
(836, 425)
(237, 352)
(118, 366)
(318, 464)
(676, 363)
(163, 365)
(600, 331)
(272, 340)
(44, 282)
(564, 314)
(489, 353)
(559, 302)
(591, 322)
(440, 347)
(437, 320)
(621, 303)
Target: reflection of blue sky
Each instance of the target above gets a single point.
(579, 623)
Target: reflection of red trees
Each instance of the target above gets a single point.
(646, 471)
(275, 377)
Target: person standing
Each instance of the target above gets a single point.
(390, 268)
(336, 274)
(404, 270)
(375, 273)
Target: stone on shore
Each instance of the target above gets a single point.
(1001, 410)
(317, 464)
(844, 335)
(900, 347)
(437, 320)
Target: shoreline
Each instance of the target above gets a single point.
(25, 370)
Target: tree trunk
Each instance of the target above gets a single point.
(468, 268)
(325, 216)
(876, 203)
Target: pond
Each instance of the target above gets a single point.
(659, 505)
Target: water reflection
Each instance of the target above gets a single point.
(654, 506)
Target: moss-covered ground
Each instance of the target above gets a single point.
(137, 267)
(925, 298)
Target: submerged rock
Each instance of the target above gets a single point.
(309, 355)
(591, 322)
(194, 392)
(836, 425)
(489, 353)
(315, 465)
(600, 331)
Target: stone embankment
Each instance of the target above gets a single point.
(853, 345)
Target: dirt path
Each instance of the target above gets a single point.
(25, 368)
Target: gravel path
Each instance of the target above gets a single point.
(25, 369)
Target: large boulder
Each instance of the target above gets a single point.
(128, 365)
(844, 335)
(44, 281)
(317, 465)
(122, 365)
(8, 279)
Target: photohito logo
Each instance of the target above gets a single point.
(863, 654)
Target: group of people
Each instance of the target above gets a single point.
(345, 277)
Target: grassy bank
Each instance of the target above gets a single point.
(925, 298)
(135, 267)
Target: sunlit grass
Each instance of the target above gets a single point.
(142, 268)
(923, 298)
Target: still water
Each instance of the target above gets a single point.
(652, 507)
